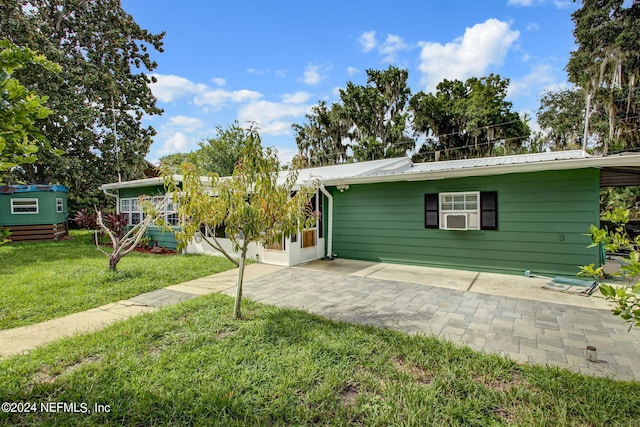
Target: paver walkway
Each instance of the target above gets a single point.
(526, 330)
(500, 314)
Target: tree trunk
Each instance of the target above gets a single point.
(113, 262)
(237, 314)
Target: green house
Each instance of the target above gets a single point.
(128, 194)
(502, 214)
(34, 212)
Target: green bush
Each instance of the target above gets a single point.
(617, 240)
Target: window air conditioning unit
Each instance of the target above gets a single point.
(455, 221)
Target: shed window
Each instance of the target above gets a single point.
(24, 206)
(472, 210)
(59, 205)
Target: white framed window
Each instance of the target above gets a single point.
(125, 206)
(460, 211)
(171, 215)
(24, 206)
(132, 209)
(59, 205)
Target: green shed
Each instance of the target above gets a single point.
(34, 212)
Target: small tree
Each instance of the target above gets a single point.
(254, 205)
(626, 298)
(125, 242)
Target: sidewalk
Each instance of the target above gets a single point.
(503, 314)
(18, 340)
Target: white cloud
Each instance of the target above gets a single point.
(352, 71)
(286, 154)
(523, 3)
(562, 4)
(559, 4)
(533, 26)
(368, 41)
(188, 124)
(256, 71)
(481, 46)
(388, 49)
(391, 46)
(177, 143)
(272, 118)
(217, 98)
(170, 87)
(296, 98)
(313, 74)
(219, 81)
(540, 77)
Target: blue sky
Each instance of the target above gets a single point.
(270, 61)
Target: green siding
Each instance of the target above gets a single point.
(152, 190)
(164, 239)
(542, 218)
(46, 209)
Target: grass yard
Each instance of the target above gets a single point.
(191, 364)
(45, 280)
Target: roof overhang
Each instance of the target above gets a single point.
(629, 163)
(146, 182)
(618, 170)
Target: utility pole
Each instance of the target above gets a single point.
(586, 122)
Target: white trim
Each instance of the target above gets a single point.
(472, 215)
(13, 207)
(59, 205)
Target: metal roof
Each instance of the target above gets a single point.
(360, 169)
(498, 161)
(31, 188)
(402, 169)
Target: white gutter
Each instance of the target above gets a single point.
(106, 191)
(329, 222)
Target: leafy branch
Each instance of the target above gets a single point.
(626, 298)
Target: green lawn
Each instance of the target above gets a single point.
(191, 364)
(45, 280)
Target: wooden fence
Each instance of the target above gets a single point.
(34, 233)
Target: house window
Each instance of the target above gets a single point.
(462, 211)
(218, 232)
(132, 210)
(171, 215)
(24, 206)
(278, 245)
(59, 205)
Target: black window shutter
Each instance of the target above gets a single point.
(431, 210)
(488, 210)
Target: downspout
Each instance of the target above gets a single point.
(105, 191)
(329, 221)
